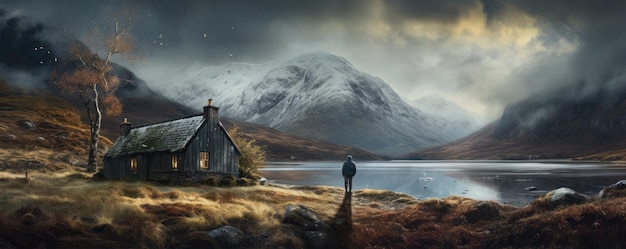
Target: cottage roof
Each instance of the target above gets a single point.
(167, 136)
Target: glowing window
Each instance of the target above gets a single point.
(174, 162)
(204, 160)
(133, 165)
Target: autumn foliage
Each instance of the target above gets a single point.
(252, 155)
(92, 77)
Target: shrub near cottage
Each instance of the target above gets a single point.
(252, 156)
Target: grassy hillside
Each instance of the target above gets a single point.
(482, 145)
(56, 123)
(284, 147)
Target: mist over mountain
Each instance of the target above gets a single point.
(319, 96)
(592, 125)
(454, 118)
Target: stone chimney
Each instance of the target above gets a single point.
(211, 112)
(125, 127)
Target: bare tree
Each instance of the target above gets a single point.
(93, 79)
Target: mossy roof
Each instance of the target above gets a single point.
(168, 136)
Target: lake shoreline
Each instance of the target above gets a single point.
(505, 181)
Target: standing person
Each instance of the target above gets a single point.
(348, 170)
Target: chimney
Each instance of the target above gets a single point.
(125, 127)
(211, 112)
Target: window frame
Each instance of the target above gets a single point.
(203, 159)
(174, 162)
(133, 166)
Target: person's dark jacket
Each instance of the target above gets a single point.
(349, 168)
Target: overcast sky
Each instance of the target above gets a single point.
(480, 54)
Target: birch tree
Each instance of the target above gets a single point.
(92, 76)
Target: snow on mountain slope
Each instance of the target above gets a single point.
(319, 96)
(456, 119)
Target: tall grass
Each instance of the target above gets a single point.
(154, 216)
(66, 209)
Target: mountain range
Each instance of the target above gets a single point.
(557, 125)
(319, 96)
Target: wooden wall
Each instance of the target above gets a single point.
(211, 137)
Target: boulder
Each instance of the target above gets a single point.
(310, 227)
(305, 218)
(26, 124)
(561, 197)
(227, 235)
(614, 190)
(319, 239)
(9, 137)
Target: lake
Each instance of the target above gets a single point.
(510, 182)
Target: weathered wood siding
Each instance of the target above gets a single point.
(116, 167)
(162, 162)
(223, 157)
(212, 138)
(192, 155)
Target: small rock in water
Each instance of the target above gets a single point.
(531, 188)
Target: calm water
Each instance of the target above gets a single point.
(502, 181)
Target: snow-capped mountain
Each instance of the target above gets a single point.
(455, 119)
(319, 96)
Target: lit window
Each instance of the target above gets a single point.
(133, 165)
(204, 160)
(174, 162)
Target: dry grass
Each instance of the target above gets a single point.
(60, 206)
(119, 211)
(58, 124)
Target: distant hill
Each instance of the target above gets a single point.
(591, 126)
(318, 96)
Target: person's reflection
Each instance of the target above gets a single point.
(343, 220)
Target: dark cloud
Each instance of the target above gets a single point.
(599, 29)
(496, 51)
(21, 43)
(26, 57)
(428, 10)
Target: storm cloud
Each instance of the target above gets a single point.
(482, 54)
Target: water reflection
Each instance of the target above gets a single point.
(503, 181)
